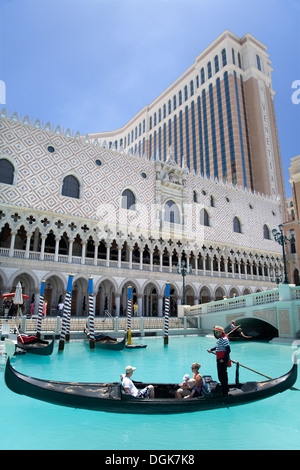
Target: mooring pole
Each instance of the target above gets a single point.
(67, 314)
(91, 314)
(167, 310)
(40, 310)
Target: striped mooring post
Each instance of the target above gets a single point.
(67, 314)
(167, 310)
(129, 308)
(91, 314)
(40, 309)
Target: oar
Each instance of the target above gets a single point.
(259, 373)
(252, 370)
(233, 330)
(19, 334)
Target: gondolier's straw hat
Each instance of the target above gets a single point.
(219, 328)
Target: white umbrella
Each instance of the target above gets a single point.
(18, 298)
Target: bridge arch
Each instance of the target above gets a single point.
(257, 328)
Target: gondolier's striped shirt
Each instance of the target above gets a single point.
(223, 348)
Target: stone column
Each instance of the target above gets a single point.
(12, 244)
(83, 251)
(28, 235)
(57, 240)
(71, 241)
(42, 254)
(96, 244)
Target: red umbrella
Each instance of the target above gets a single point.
(12, 294)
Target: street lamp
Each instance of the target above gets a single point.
(181, 269)
(282, 240)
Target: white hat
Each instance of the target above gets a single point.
(129, 369)
(185, 377)
(219, 328)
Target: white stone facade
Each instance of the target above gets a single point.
(220, 230)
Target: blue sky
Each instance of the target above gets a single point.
(91, 65)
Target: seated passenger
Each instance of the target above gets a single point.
(186, 378)
(184, 389)
(194, 392)
(130, 388)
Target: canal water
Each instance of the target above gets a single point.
(273, 423)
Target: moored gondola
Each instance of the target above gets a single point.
(39, 347)
(135, 346)
(103, 341)
(110, 397)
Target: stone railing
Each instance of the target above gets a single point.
(139, 325)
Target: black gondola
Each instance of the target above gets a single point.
(108, 342)
(109, 396)
(39, 347)
(136, 346)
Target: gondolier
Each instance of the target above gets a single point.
(223, 361)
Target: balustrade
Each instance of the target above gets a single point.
(141, 265)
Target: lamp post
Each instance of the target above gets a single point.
(183, 270)
(282, 240)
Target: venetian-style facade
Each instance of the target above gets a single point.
(70, 205)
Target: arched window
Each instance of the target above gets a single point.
(185, 93)
(202, 76)
(70, 187)
(267, 235)
(6, 171)
(180, 97)
(293, 245)
(216, 59)
(174, 103)
(192, 87)
(224, 58)
(172, 213)
(237, 225)
(258, 62)
(209, 70)
(296, 277)
(204, 218)
(128, 200)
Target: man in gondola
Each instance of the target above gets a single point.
(130, 388)
(223, 361)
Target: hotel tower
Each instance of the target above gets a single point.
(218, 116)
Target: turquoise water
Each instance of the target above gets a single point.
(273, 423)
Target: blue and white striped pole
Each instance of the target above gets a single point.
(91, 314)
(40, 310)
(67, 314)
(167, 310)
(129, 308)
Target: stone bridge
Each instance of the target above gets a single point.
(275, 311)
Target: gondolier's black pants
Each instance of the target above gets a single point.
(223, 376)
